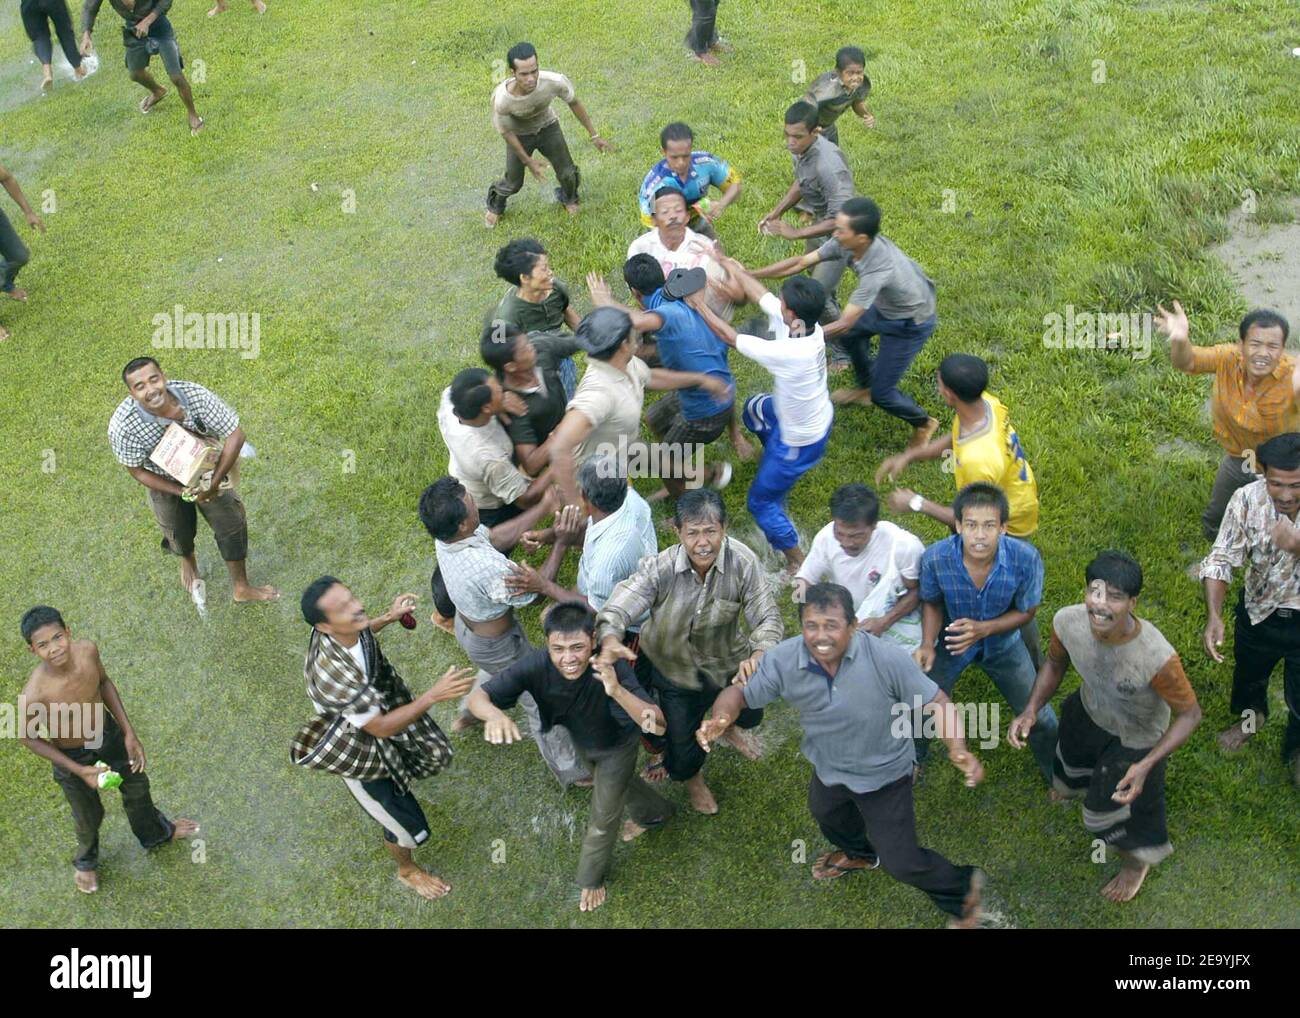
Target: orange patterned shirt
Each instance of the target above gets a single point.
(1242, 422)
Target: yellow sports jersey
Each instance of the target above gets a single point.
(993, 454)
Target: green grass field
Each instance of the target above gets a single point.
(1065, 190)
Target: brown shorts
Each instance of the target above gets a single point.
(180, 521)
(666, 421)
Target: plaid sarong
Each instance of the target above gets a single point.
(337, 686)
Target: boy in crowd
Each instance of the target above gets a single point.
(692, 173)
(835, 91)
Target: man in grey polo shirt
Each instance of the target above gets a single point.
(822, 184)
(894, 299)
(856, 695)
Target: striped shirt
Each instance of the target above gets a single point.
(474, 572)
(614, 548)
(1272, 574)
(694, 631)
(134, 433)
(1014, 583)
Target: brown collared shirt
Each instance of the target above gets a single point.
(695, 624)
(1245, 538)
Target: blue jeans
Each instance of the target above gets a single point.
(1013, 674)
(13, 253)
(569, 377)
(781, 466)
(901, 340)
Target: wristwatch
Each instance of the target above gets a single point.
(915, 503)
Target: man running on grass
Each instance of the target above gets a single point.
(380, 738)
(1114, 734)
(37, 17)
(13, 252)
(521, 112)
(86, 725)
(135, 429)
(146, 32)
(604, 708)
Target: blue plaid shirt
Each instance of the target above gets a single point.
(1015, 582)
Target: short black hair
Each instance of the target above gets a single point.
(676, 131)
(442, 508)
(665, 192)
(864, 216)
(311, 611)
(35, 618)
(517, 259)
(136, 363)
(965, 374)
(519, 51)
(1265, 319)
(1281, 452)
(848, 55)
(824, 595)
(806, 297)
(1117, 569)
(699, 504)
(470, 393)
(981, 493)
(498, 343)
(855, 503)
(643, 273)
(802, 113)
(569, 617)
(601, 481)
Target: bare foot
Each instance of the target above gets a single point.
(81, 71)
(16, 293)
(592, 898)
(832, 865)
(189, 573)
(152, 100)
(196, 125)
(745, 743)
(4, 333)
(87, 881)
(1055, 795)
(657, 496)
(259, 6)
(923, 434)
(426, 885)
(655, 770)
(184, 829)
(719, 475)
(572, 209)
(1232, 739)
(632, 830)
(443, 622)
(706, 58)
(856, 397)
(464, 723)
(970, 907)
(490, 219)
(248, 592)
(1127, 882)
(744, 449)
(47, 82)
(218, 9)
(584, 783)
(702, 800)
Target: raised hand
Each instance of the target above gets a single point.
(1172, 323)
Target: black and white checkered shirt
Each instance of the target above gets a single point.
(134, 432)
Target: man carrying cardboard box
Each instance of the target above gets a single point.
(143, 432)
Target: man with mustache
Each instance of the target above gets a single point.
(1259, 532)
(1115, 733)
(848, 688)
(980, 586)
(134, 431)
(1256, 394)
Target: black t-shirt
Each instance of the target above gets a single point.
(547, 403)
(594, 719)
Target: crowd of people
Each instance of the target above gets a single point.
(667, 647)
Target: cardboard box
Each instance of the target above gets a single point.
(184, 455)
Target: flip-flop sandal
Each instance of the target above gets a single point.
(833, 870)
(194, 131)
(657, 767)
(146, 106)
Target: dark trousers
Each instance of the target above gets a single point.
(13, 253)
(37, 15)
(1257, 650)
(704, 32)
(147, 822)
(901, 340)
(684, 710)
(883, 823)
(615, 785)
(550, 142)
(1227, 479)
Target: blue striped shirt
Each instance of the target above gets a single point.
(613, 548)
(1015, 582)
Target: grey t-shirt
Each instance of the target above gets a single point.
(857, 728)
(888, 278)
(824, 178)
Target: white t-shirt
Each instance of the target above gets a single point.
(798, 366)
(480, 458)
(691, 253)
(860, 574)
(362, 718)
(612, 400)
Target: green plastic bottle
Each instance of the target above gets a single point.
(109, 778)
